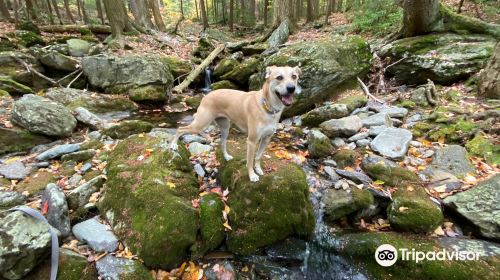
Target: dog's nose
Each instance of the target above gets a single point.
(290, 88)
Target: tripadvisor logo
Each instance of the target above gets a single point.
(386, 255)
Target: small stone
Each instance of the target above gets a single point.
(43, 164)
(95, 135)
(78, 197)
(395, 112)
(338, 142)
(79, 156)
(14, 171)
(196, 148)
(319, 145)
(199, 170)
(58, 151)
(10, 199)
(359, 136)
(96, 235)
(113, 268)
(415, 144)
(57, 214)
(75, 179)
(86, 117)
(392, 142)
(351, 146)
(86, 167)
(363, 142)
(355, 176)
(414, 118)
(330, 162)
(190, 138)
(376, 130)
(375, 120)
(347, 126)
(428, 154)
(332, 175)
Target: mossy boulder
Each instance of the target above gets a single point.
(12, 67)
(329, 65)
(412, 210)
(224, 84)
(28, 26)
(243, 71)
(353, 102)
(488, 85)
(211, 221)
(257, 48)
(148, 93)
(225, 66)
(324, 113)
(388, 172)
(78, 47)
(204, 48)
(345, 158)
(267, 211)
(361, 248)
(340, 203)
(179, 67)
(443, 58)
(10, 86)
(481, 146)
(72, 266)
(7, 45)
(37, 182)
(318, 144)
(13, 140)
(126, 128)
(26, 38)
(147, 199)
(94, 102)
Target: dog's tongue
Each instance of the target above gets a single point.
(287, 99)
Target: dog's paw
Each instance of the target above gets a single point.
(228, 157)
(254, 177)
(258, 170)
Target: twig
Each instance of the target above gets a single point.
(33, 71)
(76, 78)
(69, 75)
(367, 92)
(392, 64)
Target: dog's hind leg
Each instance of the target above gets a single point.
(224, 125)
(260, 151)
(202, 119)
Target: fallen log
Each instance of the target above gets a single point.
(190, 78)
(73, 28)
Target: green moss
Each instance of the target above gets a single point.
(345, 158)
(412, 210)
(80, 156)
(353, 102)
(267, 211)
(19, 140)
(224, 84)
(243, 71)
(139, 272)
(319, 147)
(148, 201)
(226, 65)
(177, 66)
(26, 38)
(339, 203)
(211, 221)
(147, 93)
(127, 128)
(392, 176)
(193, 101)
(4, 94)
(92, 144)
(9, 85)
(453, 133)
(72, 266)
(408, 104)
(37, 182)
(28, 26)
(484, 148)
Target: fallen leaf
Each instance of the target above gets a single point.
(45, 208)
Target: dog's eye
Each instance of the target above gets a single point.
(294, 77)
(279, 78)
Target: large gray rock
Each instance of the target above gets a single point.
(355, 176)
(57, 61)
(347, 126)
(480, 206)
(375, 120)
(78, 47)
(453, 159)
(57, 213)
(489, 84)
(392, 142)
(113, 268)
(279, 35)
(41, 115)
(14, 171)
(143, 77)
(324, 113)
(328, 65)
(96, 235)
(58, 151)
(10, 199)
(443, 58)
(86, 117)
(24, 242)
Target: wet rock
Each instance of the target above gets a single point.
(78, 47)
(40, 115)
(324, 113)
(482, 247)
(14, 171)
(355, 176)
(58, 151)
(196, 148)
(453, 159)
(86, 117)
(340, 203)
(347, 126)
(479, 205)
(126, 128)
(389, 172)
(79, 156)
(459, 57)
(211, 221)
(269, 210)
(319, 145)
(57, 214)
(226, 65)
(392, 142)
(162, 185)
(10, 199)
(180, 68)
(24, 243)
(113, 268)
(327, 65)
(79, 197)
(96, 235)
(412, 210)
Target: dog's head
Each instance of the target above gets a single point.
(283, 82)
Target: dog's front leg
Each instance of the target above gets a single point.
(262, 147)
(251, 143)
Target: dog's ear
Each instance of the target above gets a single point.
(269, 70)
(297, 69)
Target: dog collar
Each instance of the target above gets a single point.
(269, 109)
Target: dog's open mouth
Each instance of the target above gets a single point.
(287, 99)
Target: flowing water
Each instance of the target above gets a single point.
(208, 80)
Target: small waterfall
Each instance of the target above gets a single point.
(208, 80)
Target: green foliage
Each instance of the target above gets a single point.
(378, 17)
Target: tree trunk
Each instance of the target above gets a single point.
(100, 14)
(242, 12)
(309, 11)
(155, 7)
(182, 10)
(196, 8)
(49, 8)
(203, 14)
(266, 6)
(86, 19)
(224, 10)
(68, 11)
(116, 13)
(231, 15)
(4, 11)
(15, 6)
(328, 10)
(251, 12)
(142, 14)
(460, 6)
(56, 9)
(79, 6)
(419, 17)
(30, 10)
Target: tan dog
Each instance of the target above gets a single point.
(257, 113)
